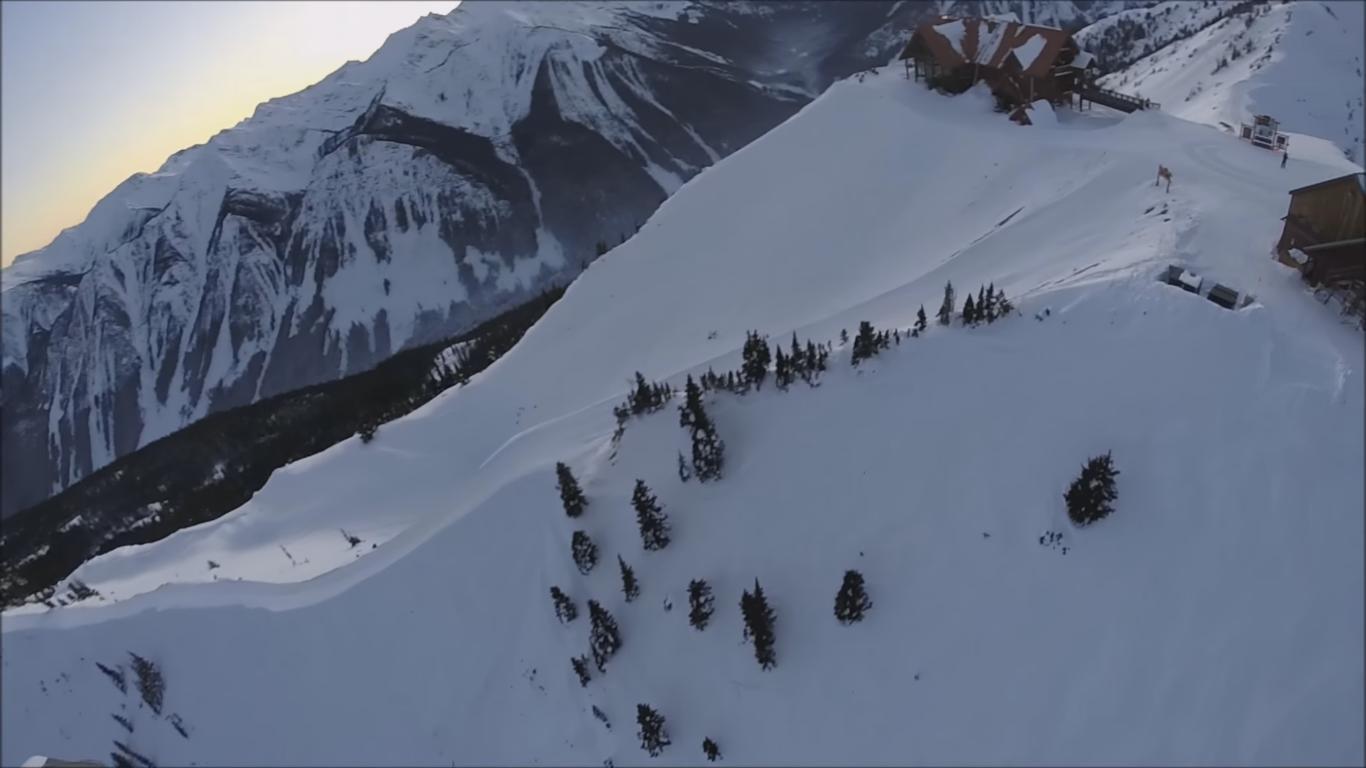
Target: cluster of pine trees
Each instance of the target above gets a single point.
(991, 305)
(867, 342)
(798, 361)
(645, 397)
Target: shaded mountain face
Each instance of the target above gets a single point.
(473, 160)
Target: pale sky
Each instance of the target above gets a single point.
(92, 92)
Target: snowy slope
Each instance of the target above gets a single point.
(1217, 618)
(1299, 62)
(473, 160)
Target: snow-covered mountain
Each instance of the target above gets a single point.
(1215, 618)
(471, 161)
(1299, 62)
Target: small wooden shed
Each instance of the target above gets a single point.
(1327, 222)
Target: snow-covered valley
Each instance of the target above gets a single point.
(1215, 618)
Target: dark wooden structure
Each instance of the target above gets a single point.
(1021, 63)
(1327, 223)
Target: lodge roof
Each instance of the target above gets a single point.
(1359, 177)
(992, 43)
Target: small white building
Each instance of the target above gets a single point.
(1265, 132)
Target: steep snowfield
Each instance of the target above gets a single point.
(1299, 62)
(1216, 618)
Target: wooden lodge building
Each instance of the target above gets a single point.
(1327, 224)
(1021, 63)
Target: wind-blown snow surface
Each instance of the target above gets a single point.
(1216, 618)
(1301, 63)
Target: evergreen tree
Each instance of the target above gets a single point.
(921, 322)
(151, 685)
(1003, 306)
(796, 358)
(580, 665)
(710, 749)
(684, 474)
(844, 337)
(969, 312)
(990, 310)
(571, 496)
(701, 603)
(565, 610)
(981, 304)
(692, 405)
(653, 736)
(604, 639)
(946, 309)
(851, 602)
(585, 552)
(782, 372)
(708, 453)
(756, 359)
(1091, 495)
(865, 343)
(654, 524)
(629, 586)
(759, 623)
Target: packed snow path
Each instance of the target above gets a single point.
(1217, 617)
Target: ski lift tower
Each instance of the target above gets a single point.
(1265, 132)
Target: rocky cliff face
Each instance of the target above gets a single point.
(474, 159)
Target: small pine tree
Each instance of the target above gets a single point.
(969, 312)
(604, 639)
(565, 610)
(946, 309)
(692, 404)
(865, 343)
(759, 624)
(844, 337)
(708, 452)
(580, 665)
(921, 322)
(653, 736)
(654, 524)
(756, 358)
(782, 369)
(710, 749)
(684, 474)
(1003, 306)
(585, 552)
(629, 586)
(989, 312)
(851, 602)
(571, 496)
(701, 604)
(1091, 496)
(981, 303)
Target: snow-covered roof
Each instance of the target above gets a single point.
(990, 40)
(1084, 60)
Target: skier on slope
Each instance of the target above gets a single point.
(1284, 156)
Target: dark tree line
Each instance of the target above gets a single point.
(217, 463)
